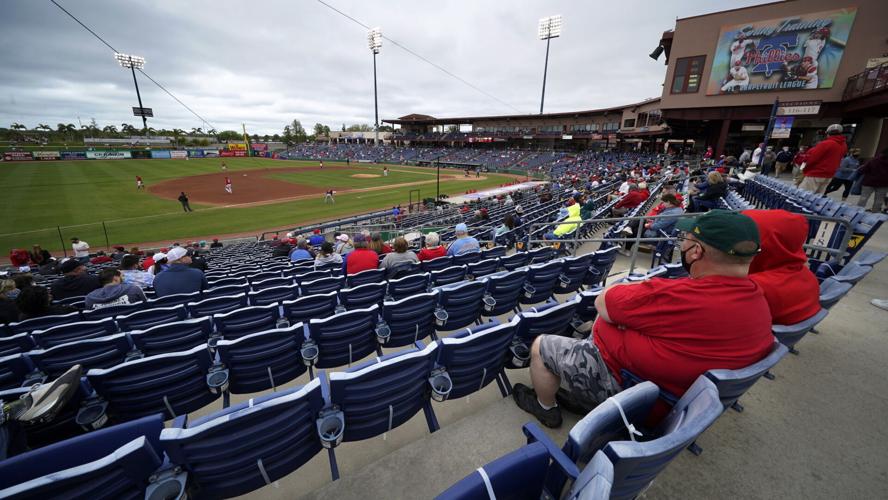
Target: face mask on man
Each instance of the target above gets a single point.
(684, 260)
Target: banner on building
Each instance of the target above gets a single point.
(140, 153)
(73, 155)
(179, 154)
(17, 156)
(782, 127)
(163, 154)
(788, 53)
(47, 155)
(108, 155)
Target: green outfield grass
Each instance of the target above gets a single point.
(79, 195)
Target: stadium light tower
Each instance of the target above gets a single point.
(134, 63)
(374, 41)
(550, 27)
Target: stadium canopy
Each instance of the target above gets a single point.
(417, 119)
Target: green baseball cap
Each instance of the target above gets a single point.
(731, 232)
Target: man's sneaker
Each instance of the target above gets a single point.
(45, 400)
(880, 303)
(568, 402)
(526, 399)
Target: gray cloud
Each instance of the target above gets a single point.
(266, 63)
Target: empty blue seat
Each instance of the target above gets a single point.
(364, 277)
(573, 273)
(540, 283)
(101, 352)
(273, 295)
(239, 282)
(344, 338)
(257, 278)
(407, 286)
(493, 253)
(14, 370)
(852, 273)
(790, 335)
(217, 305)
(82, 330)
(541, 255)
(111, 311)
(549, 319)
(310, 276)
(869, 257)
(270, 283)
(173, 337)
(505, 289)
(466, 258)
(732, 384)
(600, 265)
(407, 320)
(436, 264)
(514, 261)
(831, 291)
(146, 319)
(474, 357)
(518, 475)
(309, 307)
(246, 320)
(402, 270)
(461, 305)
(16, 344)
(382, 394)
(363, 296)
(321, 285)
(263, 360)
(42, 323)
(482, 268)
(586, 310)
(172, 384)
(174, 300)
(244, 447)
(446, 276)
(225, 291)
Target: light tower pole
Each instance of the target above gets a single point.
(550, 27)
(134, 63)
(374, 41)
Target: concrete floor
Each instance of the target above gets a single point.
(814, 432)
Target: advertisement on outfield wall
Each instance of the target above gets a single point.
(163, 154)
(226, 153)
(47, 155)
(17, 156)
(178, 154)
(196, 153)
(260, 147)
(787, 53)
(237, 147)
(108, 155)
(140, 153)
(73, 155)
(211, 153)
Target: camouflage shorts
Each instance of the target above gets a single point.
(583, 373)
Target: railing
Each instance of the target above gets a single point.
(867, 82)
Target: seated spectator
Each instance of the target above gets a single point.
(327, 255)
(22, 281)
(114, 291)
(216, 243)
(668, 331)
(463, 243)
(118, 253)
(132, 275)
(507, 225)
(160, 264)
(671, 206)
(634, 198)
(39, 256)
(781, 268)
(344, 245)
(9, 312)
(433, 248)
(401, 255)
(568, 226)
(519, 212)
(197, 261)
(19, 257)
(135, 251)
(202, 248)
(179, 277)
(667, 189)
(377, 245)
(301, 252)
(36, 302)
(148, 263)
(100, 258)
(361, 258)
(76, 282)
(283, 248)
(317, 239)
(710, 192)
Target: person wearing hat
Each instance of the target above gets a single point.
(179, 277)
(343, 245)
(822, 161)
(463, 243)
(216, 243)
(81, 249)
(668, 331)
(316, 238)
(360, 258)
(76, 282)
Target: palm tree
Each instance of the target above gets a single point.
(197, 131)
(43, 126)
(110, 129)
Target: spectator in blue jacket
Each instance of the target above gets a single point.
(665, 224)
(301, 252)
(463, 243)
(844, 176)
(179, 277)
(317, 239)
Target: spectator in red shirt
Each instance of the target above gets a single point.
(781, 268)
(100, 258)
(823, 160)
(377, 245)
(361, 258)
(632, 199)
(798, 160)
(433, 248)
(148, 263)
(668, 331)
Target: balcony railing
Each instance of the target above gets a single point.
(868, 82)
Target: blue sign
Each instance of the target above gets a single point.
(165, 154)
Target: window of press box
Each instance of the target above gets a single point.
(687, 75)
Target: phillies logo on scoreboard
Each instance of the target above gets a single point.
(773, 54)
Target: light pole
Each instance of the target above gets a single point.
(550, 27)
(134, 63)
(374, 41)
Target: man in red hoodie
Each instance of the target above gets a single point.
(781, 268)
(632, 199)
(823, 160)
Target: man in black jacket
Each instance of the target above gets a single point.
(76, 282)
(183, 199)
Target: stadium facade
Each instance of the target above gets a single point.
(807, 63)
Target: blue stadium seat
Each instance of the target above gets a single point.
(405, 321)
(550, 319)
(309, 307)
(173, 337)
(16, 344)
(174, 300)
(600, 266)
(15, 369)
(493, 253)
(224, 282)
(364, 277)
(540, 283)
(116, 462)
(263, 360)
(384, 393)
(146, 319)
(82, 330)
(790, 335)
(514, 261)
(831, 291)
(111, 311)
(732, 384)
(474, 357)
(586, 310)
(272, 295)
(363, 296)
(402, 270)
(257, 286)
(407, 286)
(461, 305)
(447, 276)
(216, 305)
(505, 289)
(103, 352)
(310, 276)
(869, 257)
(321, 285)
(247, 446)
(518, 475)
(225, 291)
(42, 323)
(466, 258)
(256, 279)
(541, 255)
(573, 273)
(247, 320)
(852, 273)
(436, 264)
(482, 268)
(172, 384)
(344, 338)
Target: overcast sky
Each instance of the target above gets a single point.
(265, 63)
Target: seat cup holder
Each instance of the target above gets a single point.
(167, 485)
(441, 317)
(565, 281)
(282, 323)
(489, 303)
(383, 333)
(520, 354)
(93, 416)
(441, 385)
(212, 342)
(529, 290)
(310, 352)
(339, 309)
(331, 427)
(217, 379)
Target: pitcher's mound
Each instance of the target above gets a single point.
(364, 176)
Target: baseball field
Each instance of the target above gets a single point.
(47, 203)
